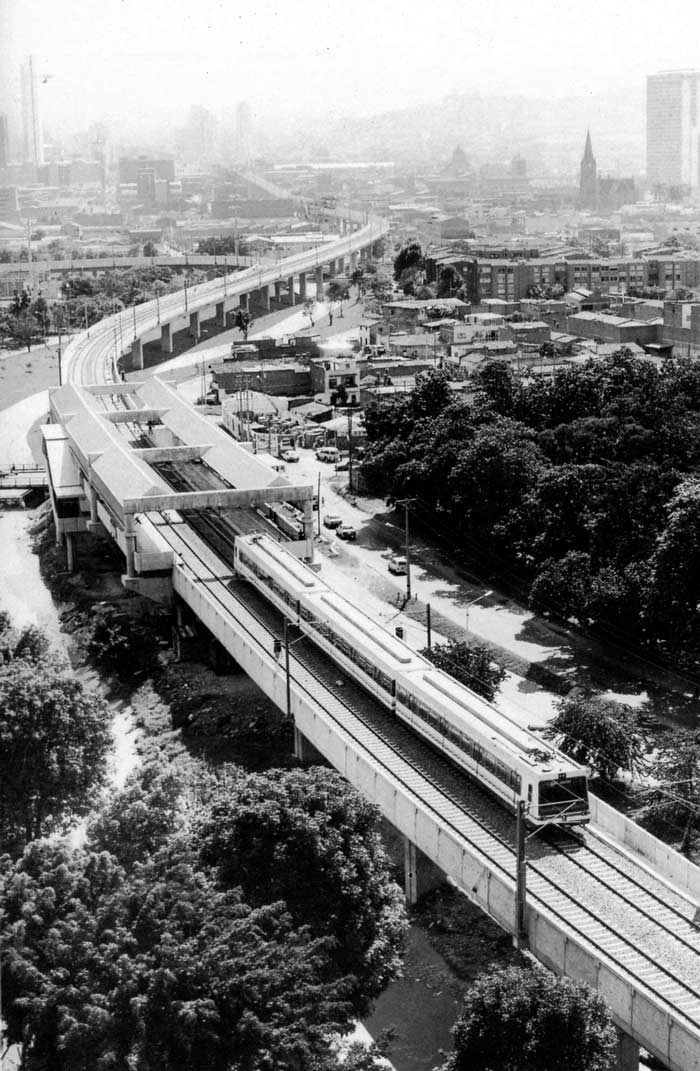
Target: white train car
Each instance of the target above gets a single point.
(510, 761)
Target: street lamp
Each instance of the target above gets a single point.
(484, 595)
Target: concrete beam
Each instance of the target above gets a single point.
(224, 499)
(302, 286)
(319, 284)
(264, 292)
(153, 454)
(278, 292)
(220, 314)
(133, 416)
(292, 291)
(194, 324)
(137, 353)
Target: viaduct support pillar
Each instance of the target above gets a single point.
(137, 353)
(220, 314)
(166, 338)
(353, 261)
(627, 1054)
(302, 286)
(244, 301)
(265, 297)
(194, 325)
(319, 284)
(340, 265)
(70, 552)
(278, 293)
(292, 291)
(94, 521)
(304, 750)
(420, 873)
(130, 545)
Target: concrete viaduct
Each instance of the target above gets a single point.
(101, 478)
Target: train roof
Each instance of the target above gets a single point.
(281, 559)
(467, 705)
(400, 653)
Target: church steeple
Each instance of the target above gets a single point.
(588, 188)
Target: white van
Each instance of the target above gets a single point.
(328, 453)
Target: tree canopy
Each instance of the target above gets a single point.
(410, 255)
(307, 838)
(581, 486)
(598, 732)
(54, 739)
(529, 1020)
(159, 968)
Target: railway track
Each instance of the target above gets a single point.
(631, 919)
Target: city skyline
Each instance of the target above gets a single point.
(143, 68)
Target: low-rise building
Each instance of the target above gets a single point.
(607, 328)
(335, 380)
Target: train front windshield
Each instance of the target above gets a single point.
(563, 799)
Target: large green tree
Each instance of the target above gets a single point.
(600, 732)
(157, 969)
(410, 255)
(54, 740)
(675, 788)
(310, 840)
(529, 1020)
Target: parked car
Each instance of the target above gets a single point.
(289, 456)
(398, 566)
(332, 520)
(346, 531)
(328, 453)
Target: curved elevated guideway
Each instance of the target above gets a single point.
(92, 355)
(611, 906)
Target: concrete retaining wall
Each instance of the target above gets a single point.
(673, 866)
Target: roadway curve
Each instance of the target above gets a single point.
(91, 357)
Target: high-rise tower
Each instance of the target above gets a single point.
(31, 114)
(4, 142)
(242, 150)
(673, 129)
(588, 187)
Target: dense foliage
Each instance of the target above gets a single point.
(598, 732)
(529, 1020)
(581, 485)
(150, 947)
(54, 739)
(307, 838)
(156, 968)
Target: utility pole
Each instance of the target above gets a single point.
(429, 626)
(520, 939)
(286, 667)
(318, 504)
(406, 502)
(350, 449)
(60, 371)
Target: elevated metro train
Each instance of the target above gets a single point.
(509, 760)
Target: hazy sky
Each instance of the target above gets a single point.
(136, 59)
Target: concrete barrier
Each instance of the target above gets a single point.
(670, 864)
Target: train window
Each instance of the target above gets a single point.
(568, 796)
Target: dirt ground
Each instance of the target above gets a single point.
(22, 373)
